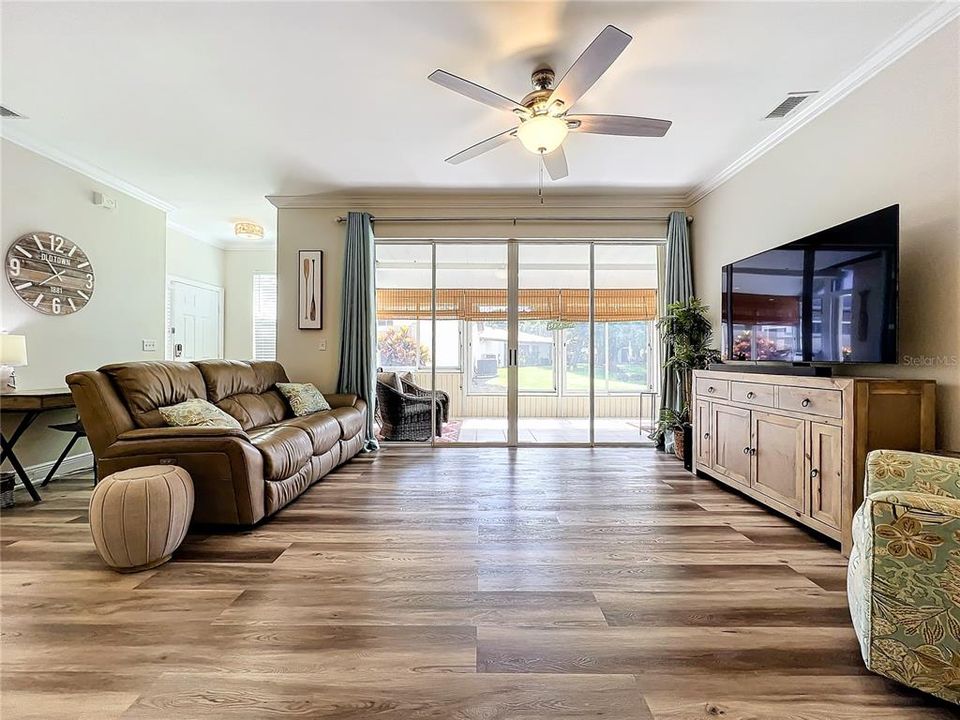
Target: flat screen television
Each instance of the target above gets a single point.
(830, 297)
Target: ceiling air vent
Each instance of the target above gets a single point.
(8, 113)
(789, 104)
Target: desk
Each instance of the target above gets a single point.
(32, 403)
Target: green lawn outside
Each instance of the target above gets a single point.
(540, 379)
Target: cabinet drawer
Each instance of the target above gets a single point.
(710, 388)
(752, 393)
(810, 400)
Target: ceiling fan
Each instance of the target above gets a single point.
(544, 122)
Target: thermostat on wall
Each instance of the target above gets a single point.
(104, 201)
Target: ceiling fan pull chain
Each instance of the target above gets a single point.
(540, 186)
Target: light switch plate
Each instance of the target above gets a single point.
(322, 345)
(149, 345)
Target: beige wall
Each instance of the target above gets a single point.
(309, 223)
(894, 140)
(192, 259)
(126, 250)
(240, 265)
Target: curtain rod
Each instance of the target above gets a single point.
(515, 220)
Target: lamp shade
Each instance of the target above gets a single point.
(13, 350)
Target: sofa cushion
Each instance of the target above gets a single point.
(146, 386)
(245, 390)
(197, 413)
(350, 419)
(391, 380)
(285, 449)
(303, 398)
(322, 427)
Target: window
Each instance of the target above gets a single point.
(623, 352)
(406, 344)
(264, 316)
(623, 356)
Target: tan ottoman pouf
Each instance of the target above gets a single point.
(138, 517)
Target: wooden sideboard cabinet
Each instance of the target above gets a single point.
(798, 444)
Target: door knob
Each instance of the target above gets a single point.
(750, 395)
(706, 436)
(746, 451)
(753, 451)
(805, 403)
(814, 472)
(711, 389)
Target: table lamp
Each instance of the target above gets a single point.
(13, 354)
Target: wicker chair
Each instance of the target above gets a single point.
(411, 387)
(404, 416)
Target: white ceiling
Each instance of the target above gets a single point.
(212, 106)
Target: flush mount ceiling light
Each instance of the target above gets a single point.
(543, 114)
(248, 231)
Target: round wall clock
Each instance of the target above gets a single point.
(50, 273)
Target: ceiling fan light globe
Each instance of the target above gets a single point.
(542, 134)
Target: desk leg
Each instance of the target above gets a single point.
(8, 453)
(59, 462)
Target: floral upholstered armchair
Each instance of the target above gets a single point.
(903, 580)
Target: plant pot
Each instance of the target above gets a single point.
(679, 443)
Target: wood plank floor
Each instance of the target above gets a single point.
(469, 584)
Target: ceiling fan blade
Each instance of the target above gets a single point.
(619, 125)
(556, 164)
(476, 92)
(482, 147)
(592, 63)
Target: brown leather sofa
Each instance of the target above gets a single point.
(239, 476)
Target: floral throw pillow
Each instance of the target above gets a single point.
(198, 413)
(304, 398)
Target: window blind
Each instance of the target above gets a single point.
(570, 304)
(264, 316)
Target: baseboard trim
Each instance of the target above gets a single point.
(38, 472)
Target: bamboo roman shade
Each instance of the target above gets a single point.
(570, 305)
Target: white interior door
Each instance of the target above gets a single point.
(196, 323)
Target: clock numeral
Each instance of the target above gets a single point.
(89, 281)
(15, 266)
(56, 244)
(55, 305)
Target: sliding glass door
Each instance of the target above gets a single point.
(472, 302)
(519, 342)
(553, 343)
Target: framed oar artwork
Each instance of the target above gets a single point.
(310, 276)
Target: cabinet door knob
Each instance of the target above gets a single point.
(746, 451)
(814, 472)
(706, 436)
(753, 451)
(711, 389)
(805, 403)
(750, 395)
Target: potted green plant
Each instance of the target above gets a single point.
(687, 331)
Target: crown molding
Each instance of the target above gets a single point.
(905, 40)
(519, 199)
(259, 246)
(228, 244)
(198, 236)
(93, 172)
